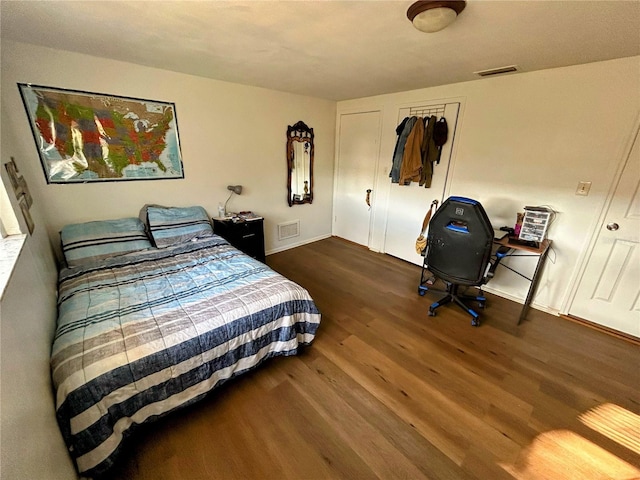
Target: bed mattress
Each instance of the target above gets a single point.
(143, 334)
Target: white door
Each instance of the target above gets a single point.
(609, 291)
(358, 150)
(408, 204)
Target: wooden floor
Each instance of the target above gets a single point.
(387, 392)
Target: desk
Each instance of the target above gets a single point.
(519, 250)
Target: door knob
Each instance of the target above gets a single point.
(613, 226)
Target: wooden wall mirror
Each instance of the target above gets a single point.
(299, 164)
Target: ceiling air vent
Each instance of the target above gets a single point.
(497, 71)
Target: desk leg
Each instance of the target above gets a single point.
(534, 285)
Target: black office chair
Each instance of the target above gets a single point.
(459, 252)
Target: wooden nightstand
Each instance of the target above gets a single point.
(247, 236)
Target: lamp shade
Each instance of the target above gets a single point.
(434, 15)
(237, 189)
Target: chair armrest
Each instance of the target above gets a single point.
(500, 254)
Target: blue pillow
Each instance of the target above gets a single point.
(173, 225)
(88, 242)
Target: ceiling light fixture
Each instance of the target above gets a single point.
(434, 15)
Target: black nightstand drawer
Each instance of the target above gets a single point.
(245, 236)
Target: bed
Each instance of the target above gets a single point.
(146, 327)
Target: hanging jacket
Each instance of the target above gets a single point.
(404, 128)
(399, 129)
(429, 152)
(440, 134)
(411, 167)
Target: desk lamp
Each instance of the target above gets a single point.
(237, 189)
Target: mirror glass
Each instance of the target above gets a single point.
(299, 164)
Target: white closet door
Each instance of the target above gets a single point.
(609, 292)
(358, 151)
(408, 204)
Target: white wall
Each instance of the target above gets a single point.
(528, 139)
(31, 445)
(229, 134)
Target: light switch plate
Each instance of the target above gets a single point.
(583, 188)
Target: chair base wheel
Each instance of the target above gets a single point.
(432, 313)
(475, 322)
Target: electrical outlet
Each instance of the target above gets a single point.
(583, 188)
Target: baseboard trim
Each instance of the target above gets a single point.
(595, 326)
(297, 244)
(513, 298)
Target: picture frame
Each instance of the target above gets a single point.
(27, 215)
(21, 191)
(14, 176)
(85, 137)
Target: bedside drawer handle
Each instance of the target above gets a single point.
(249, 235)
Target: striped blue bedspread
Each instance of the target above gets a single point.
(143, 334)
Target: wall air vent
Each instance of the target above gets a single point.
(288, 229)
(497, 71)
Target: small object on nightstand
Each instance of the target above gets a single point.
(246, 235)
(248, 216)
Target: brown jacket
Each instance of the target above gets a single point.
(411, 168)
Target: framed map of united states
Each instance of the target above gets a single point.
(92, 137)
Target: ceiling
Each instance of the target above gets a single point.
(329, 49)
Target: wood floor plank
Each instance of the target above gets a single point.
(372, 447)
(423, 357)
(388, 392)
(404, 436)
(435, 415)
(318, 439)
